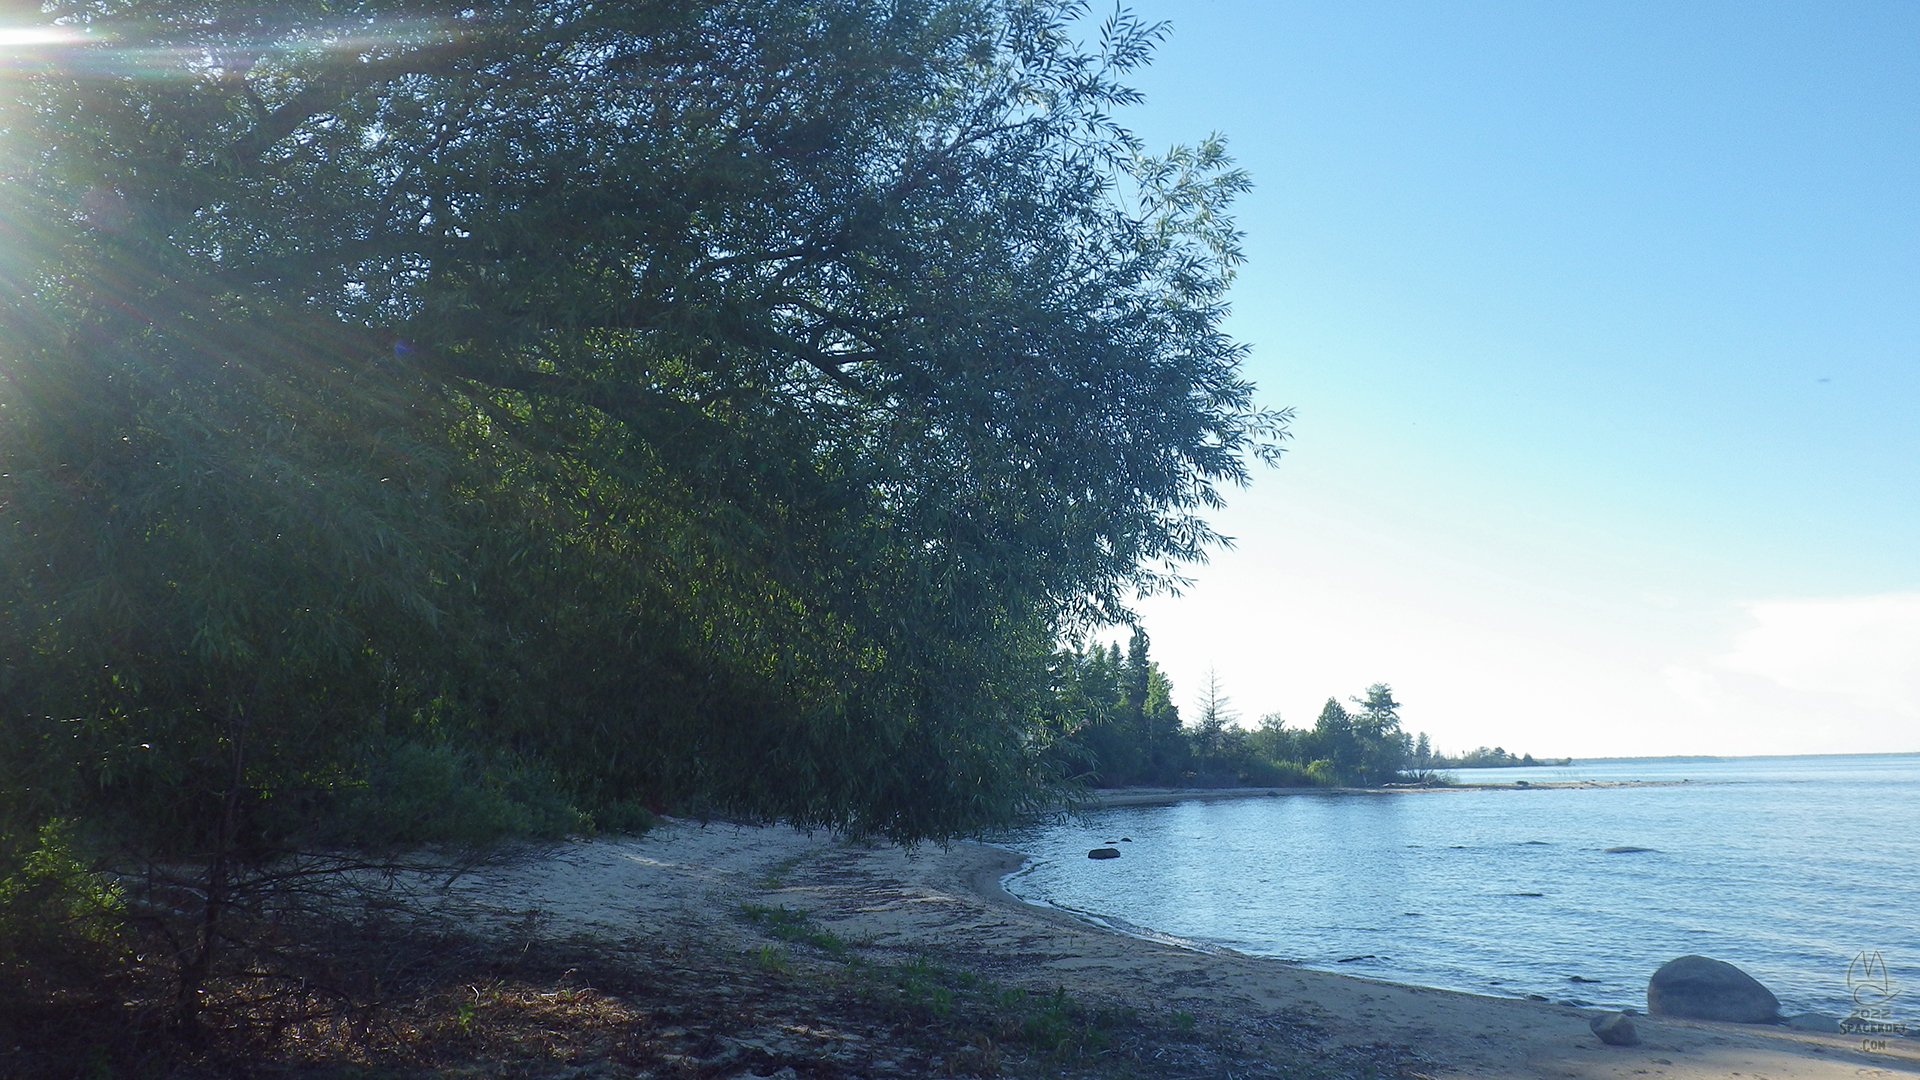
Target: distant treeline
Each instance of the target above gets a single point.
(1119, 709)
(1496, 758)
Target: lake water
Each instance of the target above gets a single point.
(1787, 867)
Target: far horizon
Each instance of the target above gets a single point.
(1600, 326)
(1543, 762)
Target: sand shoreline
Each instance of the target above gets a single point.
(689, 882)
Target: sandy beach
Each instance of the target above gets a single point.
(685, 882)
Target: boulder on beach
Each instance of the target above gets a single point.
(1104, 853)
(1701, 988)
(1614, 1029)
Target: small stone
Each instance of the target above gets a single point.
(1614, 1029)
(1104, 853)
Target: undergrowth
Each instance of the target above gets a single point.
(989, 1016)
(790, 925)
(414, 999)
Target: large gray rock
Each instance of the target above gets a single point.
(1699, 988)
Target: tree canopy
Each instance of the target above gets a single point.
(705, 404)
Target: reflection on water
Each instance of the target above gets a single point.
(1787, 867)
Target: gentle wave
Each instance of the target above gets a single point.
(1788, 867)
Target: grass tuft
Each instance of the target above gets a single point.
(797, 927)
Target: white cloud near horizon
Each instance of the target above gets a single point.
(1811, 676)
(1863, 649)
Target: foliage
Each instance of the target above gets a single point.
(1119, 713)
(1342, 747)
(416, 794)
(716, 405)
(1094, 692)
(791, 925)
(1054, 1023)
(1494, 758)
(55, 911)
(438, 425)
(1212, 738)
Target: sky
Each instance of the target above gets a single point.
(1602, 327)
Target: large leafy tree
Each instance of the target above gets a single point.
(724, 403)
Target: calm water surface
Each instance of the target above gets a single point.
(1787, 867)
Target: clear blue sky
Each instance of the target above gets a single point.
(1602, 322)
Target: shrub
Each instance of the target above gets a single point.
(418, 794)
(58, 917)
(1322, 772)
(622, 818)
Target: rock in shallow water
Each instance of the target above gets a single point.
(1813, 1021)
(1701, 988)
(1104, 853)
(1614, 1029)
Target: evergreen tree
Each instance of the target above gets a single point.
(1210, 726)
(1334, 741)
(1139, 668)
(1170, 755)
(1274, 742)
(1383, 747)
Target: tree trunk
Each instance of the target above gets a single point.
(196, 961)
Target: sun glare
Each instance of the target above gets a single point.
(14, 37)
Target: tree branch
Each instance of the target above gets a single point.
(327, 89)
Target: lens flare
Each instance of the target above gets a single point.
(20, 37)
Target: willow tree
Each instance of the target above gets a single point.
(724, 403)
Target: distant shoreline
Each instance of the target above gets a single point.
(1108, 797)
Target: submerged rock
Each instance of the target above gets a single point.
(1628, 849)
(1701, 988)
(1817, 1022)
(1614, 1029)
(1104, 853)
